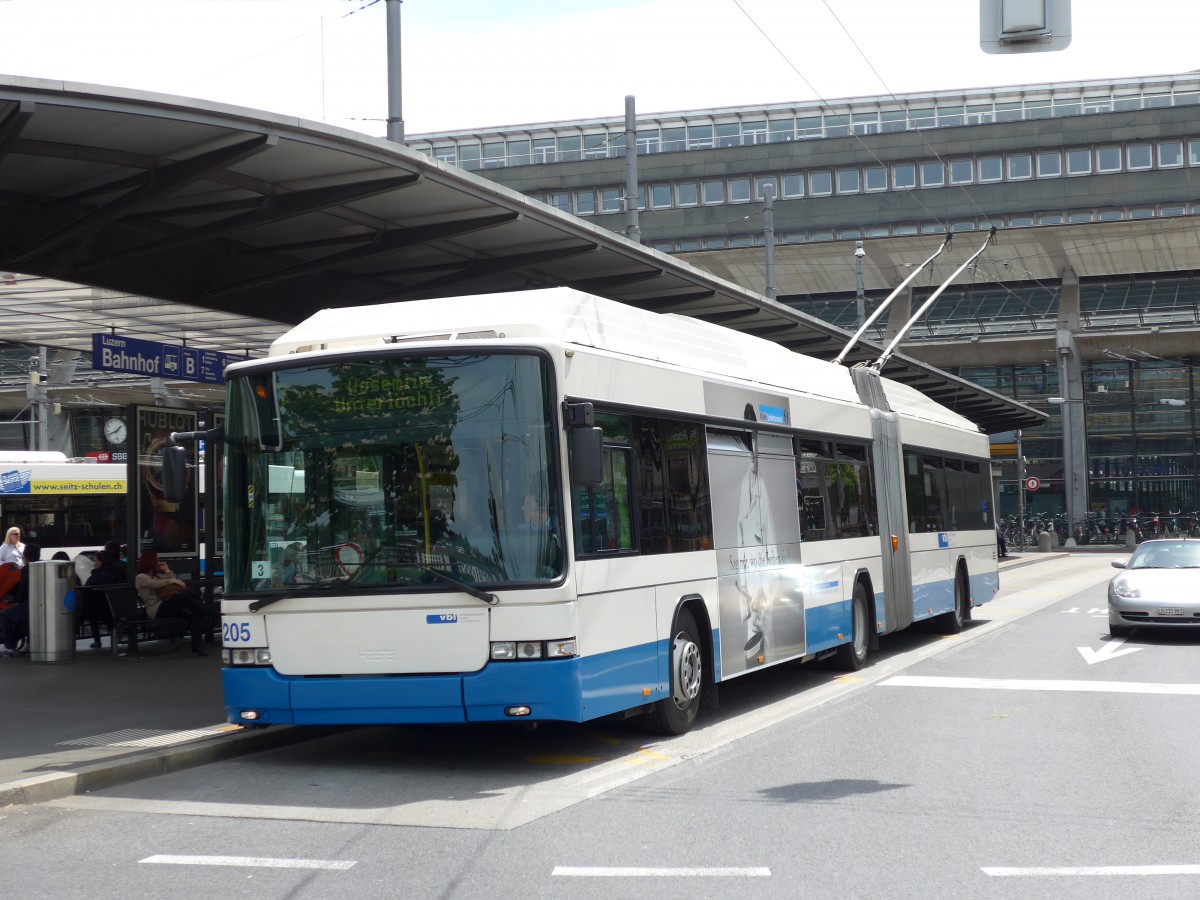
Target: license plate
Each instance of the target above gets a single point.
(1169, 611)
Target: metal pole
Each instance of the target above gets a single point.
(632, 197)
(860, 295)
(1020, 493)
(1068, 436)
(395, 120)
(769, 236)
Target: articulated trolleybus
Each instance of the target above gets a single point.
(550, 506)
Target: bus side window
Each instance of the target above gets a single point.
(603, 512)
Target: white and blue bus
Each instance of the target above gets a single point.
(552, 506)
(62, 503)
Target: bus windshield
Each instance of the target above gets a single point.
(373, 471)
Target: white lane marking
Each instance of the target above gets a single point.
(1001, 872)
(256, 862)
(684, 872)
(1111, 650)
(1020, 684)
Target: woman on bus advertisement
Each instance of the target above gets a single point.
(164, 527)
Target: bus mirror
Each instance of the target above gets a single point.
(578, 415)
(587, 456)
(174, 472)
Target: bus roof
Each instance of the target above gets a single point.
(570, 316)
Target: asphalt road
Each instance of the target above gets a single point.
(1003, 762)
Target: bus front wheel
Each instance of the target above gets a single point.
(676, 714)
(852, 656)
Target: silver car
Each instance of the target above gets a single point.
(1158, 587)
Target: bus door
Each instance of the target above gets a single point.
(897, 609)
(756, 534)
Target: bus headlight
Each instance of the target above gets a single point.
(246, 656)
(564, 648)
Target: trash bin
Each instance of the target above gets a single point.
(51, 612)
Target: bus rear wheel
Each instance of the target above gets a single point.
(952, 622)
(852, 656)
(677, 713)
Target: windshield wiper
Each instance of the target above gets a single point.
(476, 592)
(315, 588)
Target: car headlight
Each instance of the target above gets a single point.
(1124, 590)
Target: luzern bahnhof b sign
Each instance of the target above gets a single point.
(115, 353)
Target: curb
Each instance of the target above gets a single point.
(111, 773)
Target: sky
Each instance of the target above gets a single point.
(478, 63)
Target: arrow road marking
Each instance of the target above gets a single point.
(1111, 650)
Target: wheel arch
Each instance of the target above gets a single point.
(694, 603)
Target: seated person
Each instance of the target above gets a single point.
(14, 621)
(95, 604)
(163, 594)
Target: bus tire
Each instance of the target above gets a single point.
(852, 656)
(952, 622)
(676, 713)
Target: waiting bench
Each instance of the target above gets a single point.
(131, 621)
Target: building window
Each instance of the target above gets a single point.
(781, 130)
(699, 137)
(902, 230)
(904, 177)
(1050, 219)
(688, 246)
(1108, 159)
(446, 154)
(687, 193)
(933, 228)
(543, 150)
(715, 243)
(963, 226)
(559, 200)
(962, 171)
(1075, 218)
(648, 142)
(765, 181)
(1020, 221)
(875, 178)
(1111, 215)
(1141, 213)
(713, 192)
(468, 156)
(1139, 156)
(1079, 162)
(739, 190)
(820, 184)
(933, 174)
(518, 152)
(610, 200)
(1049, 164)
(1194, 153)
(1020, 166)
(793, 185)
(674, 139)
(1170, 154)
(877, 232)
(660, 196)
(849, 181)
(570, 147)
(754, 132)
(729, 134)
(1172, 211)
(595, 146)
(991, 168)
(585, 203)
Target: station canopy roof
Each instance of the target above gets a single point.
(238, 223)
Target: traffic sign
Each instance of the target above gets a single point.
(1032, 483)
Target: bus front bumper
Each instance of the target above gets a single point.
(550, 689)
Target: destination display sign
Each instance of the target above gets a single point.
(117, 353)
